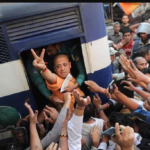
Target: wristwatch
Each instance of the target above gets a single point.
(99, 109)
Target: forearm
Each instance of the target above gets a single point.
(49, 76)
(126, 101)
(35, 142)
(133, 27)
(63, 143)
(143, 94)
(53, 135)
(103, 116)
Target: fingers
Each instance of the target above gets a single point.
(88, 100)
(42, 54)
(132, 80)
(115, 87)
(132, 65)
(117, 132)
(52, 146)
(97, 96)
(34, 54)
(29, 108)
(126, 87)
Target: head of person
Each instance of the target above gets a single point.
(143, 31)
(122, 119)
(140, 63)
(62, 65)
(116, 27)
(141, 122)
(8, 116)
(88, 112)
(125, 19)
(143, 52)
(127, 35)
(52, 50)
(112, 52)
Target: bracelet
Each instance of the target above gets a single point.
(99, 109)
(106, 104)
(105, 90)
(63, 135)
(43, 70)
(79, 108)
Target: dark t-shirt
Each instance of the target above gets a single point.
(122, 27)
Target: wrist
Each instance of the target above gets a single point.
(80, 107)
(96, 144)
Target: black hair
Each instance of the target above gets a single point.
(59, 55)
(126, 31)
(122, 119)
(50, 44)
(144, 128)
(88, 112)
(125, 15)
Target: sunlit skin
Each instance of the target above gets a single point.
(113, 57)
(127, 36)
(62, 66)
(141, 63)
(125, 20)
(144, 37)
(116, 28)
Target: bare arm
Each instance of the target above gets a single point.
(133, 27)
(35, 143)
(39, 64)
(125, 100)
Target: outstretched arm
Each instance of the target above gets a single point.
(35, 142)
(39, 64)
(125, 100)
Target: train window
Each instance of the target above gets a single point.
(34, 83)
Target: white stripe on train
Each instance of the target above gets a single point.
(96, 55)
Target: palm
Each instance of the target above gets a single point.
(38, 62)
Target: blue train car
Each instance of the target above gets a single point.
(23, 27)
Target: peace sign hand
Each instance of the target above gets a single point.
(38, 62)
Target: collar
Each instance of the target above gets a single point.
(141, 43)
(119, 34)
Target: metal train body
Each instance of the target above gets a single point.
(30, 25)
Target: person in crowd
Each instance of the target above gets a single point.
(126, 43)
(140, 63)
(39, 82)
(143, 32)
(74, 54)
(62, 67)
(115, 36)
(125, 23)
(115, 62)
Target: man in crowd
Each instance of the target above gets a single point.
(72, 51)
(126, 44)
(143, 33)
(62, 67)
(125, 23)
(140, 63)
(115, 36)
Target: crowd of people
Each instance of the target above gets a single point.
(73, 120)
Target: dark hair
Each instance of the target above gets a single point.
(122, 119)
(124, 15)
(144, 128)
(88, 112)
(126, 31)
(57, 55)
(50, 44)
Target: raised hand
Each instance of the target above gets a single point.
(130, 86)
(52, 112)
(125, 139)
(38, 62)
(96, 101)
(95, 134)
(53, 146)
(33, 117)
(82, 102)
(92, 86)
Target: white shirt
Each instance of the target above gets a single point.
(74, 132)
